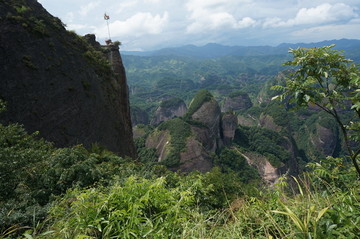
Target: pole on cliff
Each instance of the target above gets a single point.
(106, 18)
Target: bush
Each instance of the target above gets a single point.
(138, 208)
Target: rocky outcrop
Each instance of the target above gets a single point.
(266, 121)
(229, 123)
(169, 109)
(195, 157)
(159, 140)
(240, 101)
(56, 82)
(292, 165)
(198, 133)
(139, 116)
(267, 172)
(325, 139)
(192, 157)
(209, 115)
(248, 120)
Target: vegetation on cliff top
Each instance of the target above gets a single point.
(201, 97)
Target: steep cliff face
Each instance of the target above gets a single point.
(209, 114)
(178, 148)
(229, 124)
(325, 139)
(192, 157)
(169, 109)
(266, 121)
(59, 84)
(186, 143)
(267, 172)
(236, 101)
(139, 116)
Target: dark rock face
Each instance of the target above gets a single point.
(239, 102)
(139, 116)
(57, 83)
(325, 139)
(169, 109)
(229, 124)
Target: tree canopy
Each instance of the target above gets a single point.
(324, 78)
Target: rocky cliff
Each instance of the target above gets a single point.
(139, 116)
(206, 110)
(229, 124)
(236, 101)
(59, 83)
(168, 109)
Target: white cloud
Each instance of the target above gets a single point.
(152, 1)
(80, 27)
(214, 15)
(125, 5)
(328, 32)
(139, 24)
(69, 17)
(324, 13)
(246, 22)
(86, 9)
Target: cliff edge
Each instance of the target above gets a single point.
(71, 90)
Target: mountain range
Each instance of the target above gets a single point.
(214, 50)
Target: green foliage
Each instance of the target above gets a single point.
(117, 43)
(263, 141)
(22, 159)
(138, 208)
(22, 9)
(27, 60)
(145, 154)
(77, 167)
(172, 102)
(237, 93)
(282, 117)
(32, 172)
(98, 61)
(332, 173)
(179, 132)
(216, 189)
(326, 79)
(2, 106)
(231, 161)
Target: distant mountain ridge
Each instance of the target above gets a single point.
(214, 50)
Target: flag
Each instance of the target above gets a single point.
(106, 17)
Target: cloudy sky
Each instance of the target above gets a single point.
(155, 24)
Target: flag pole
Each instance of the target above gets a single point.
(106, 17)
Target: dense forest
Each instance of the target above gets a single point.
(231, 142)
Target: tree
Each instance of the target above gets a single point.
(325, 78)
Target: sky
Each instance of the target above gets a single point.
(143, 25)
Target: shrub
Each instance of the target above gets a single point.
(138, 208)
